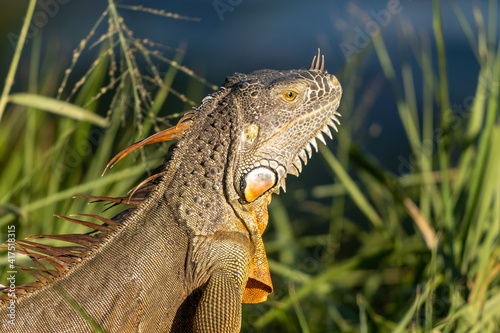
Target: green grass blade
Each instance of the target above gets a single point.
(84, 188)
(9, 81)
(466, 28)
(351, 187)
(329, 275)
(407, 118)
(284, 232)
(58, 107)
(118, 22)
(298, 309)
(410, 313)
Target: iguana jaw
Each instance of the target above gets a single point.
(280, 166)
(294, 165)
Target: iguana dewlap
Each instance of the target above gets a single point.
(189, 251)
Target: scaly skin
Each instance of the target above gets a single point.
(191, 251)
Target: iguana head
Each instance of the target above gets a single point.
(283, 113)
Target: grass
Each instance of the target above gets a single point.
(371, 251)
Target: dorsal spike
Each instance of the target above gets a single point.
(318, 62)
(312, 63)
(91, 225)
(172, 133)
(58, 264)
(118, 200)
(107, 221)
(59, 250)
(84, 240)
(51, 273)
(45, 252)
(40, 277)
(318, 59)
(144, 182)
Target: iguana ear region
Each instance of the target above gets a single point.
(251, 133)
(257, 182)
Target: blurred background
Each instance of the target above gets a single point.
(393, 227)
(242, 36)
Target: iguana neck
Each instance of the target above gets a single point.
(195, 186)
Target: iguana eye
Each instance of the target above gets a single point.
(257, 182)
(289, 95)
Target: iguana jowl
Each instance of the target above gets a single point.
(190, 251)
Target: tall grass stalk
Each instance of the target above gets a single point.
(9, 81)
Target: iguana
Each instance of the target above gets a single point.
(189, 251)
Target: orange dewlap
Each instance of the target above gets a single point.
(259, 284)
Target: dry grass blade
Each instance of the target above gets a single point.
(158, 12)
(424, 226)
